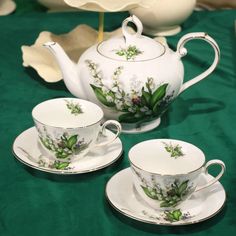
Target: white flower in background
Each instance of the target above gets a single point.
(7, 7)
(107, 5)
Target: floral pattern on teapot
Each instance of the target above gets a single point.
(129, 53)
(142, 103)
(131, 58)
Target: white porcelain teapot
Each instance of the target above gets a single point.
(133, 78)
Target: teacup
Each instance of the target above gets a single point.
(68, 128)
(166, 171)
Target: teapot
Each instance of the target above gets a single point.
(133, 78)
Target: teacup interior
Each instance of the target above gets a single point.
(67, 113)
(166, 156)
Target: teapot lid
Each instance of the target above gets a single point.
(131, 47)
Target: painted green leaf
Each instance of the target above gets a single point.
(62, 155)
(71, 141)
(169, 217)
(165, 204)
(156, 108)
(130, 118)
(158, 94)
(183, 187)
(177, 214)
(101, 97)
(146, 97)
(61, 165)
(149, 193)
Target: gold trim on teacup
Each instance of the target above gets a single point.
(60, 127)
(69, 128)
(132, 164)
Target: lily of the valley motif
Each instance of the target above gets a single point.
(129, 53)
(170, 195)
(64, 146)
(169, 216)
(74, 108)
(174, 150)
(43, 161)
(142, 104)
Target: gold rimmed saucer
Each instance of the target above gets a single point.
(27, 151)
(201, 206)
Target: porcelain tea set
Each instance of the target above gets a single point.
(126, 84)
(133, 78)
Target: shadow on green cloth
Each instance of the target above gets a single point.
(188, 107)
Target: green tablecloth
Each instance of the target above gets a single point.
(36, 203)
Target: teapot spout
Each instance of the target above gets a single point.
(68, 68)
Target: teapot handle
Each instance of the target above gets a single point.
(183, 51)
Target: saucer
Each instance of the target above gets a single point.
(26, 150)
(201, 206)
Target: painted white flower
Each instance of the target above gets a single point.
(136, 86)
(119, 105)
(151, 83)
(107, 5)
(96, 74)
(128, 101)
(118, 95)
(105, 89)
(114, 89)
(43, 161)
(109, 98)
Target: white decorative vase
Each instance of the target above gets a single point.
(163, 17)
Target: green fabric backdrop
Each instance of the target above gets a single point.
(36, 203)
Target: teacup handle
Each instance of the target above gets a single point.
(183, 51)
(118, 131)
(215, 179)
